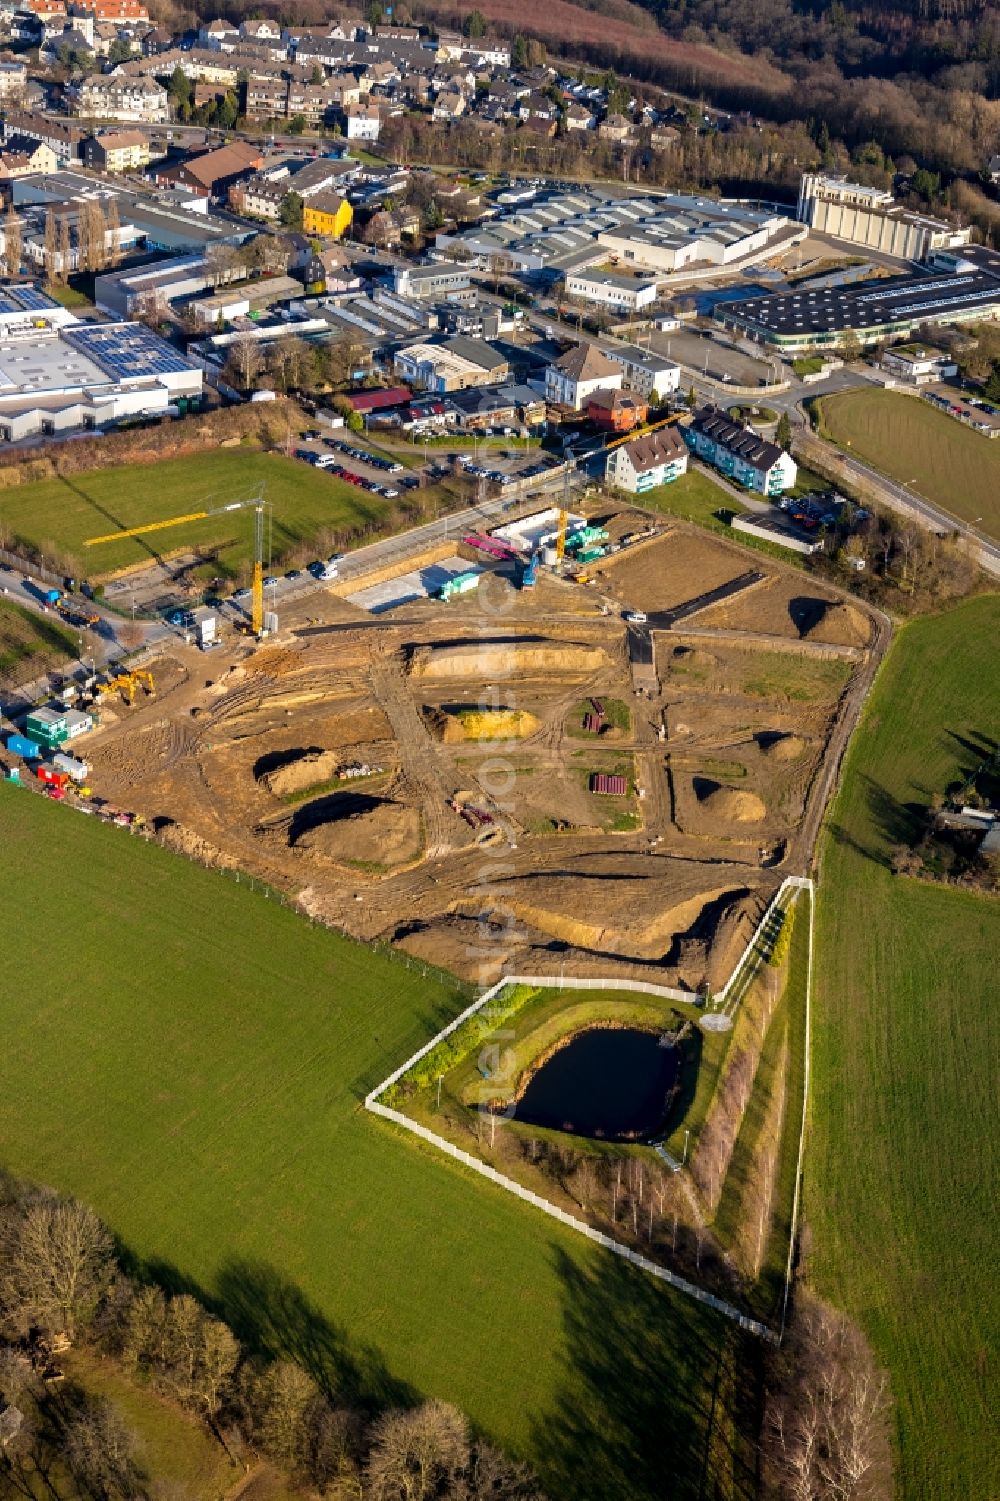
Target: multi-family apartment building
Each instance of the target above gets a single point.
(119, 96)
(649, 460)
(739, 452)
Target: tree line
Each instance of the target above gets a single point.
(61, 1283)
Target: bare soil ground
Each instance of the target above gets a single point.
(675, 567)
(794, 608)
(477, 852)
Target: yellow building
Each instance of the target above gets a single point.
(326, 214)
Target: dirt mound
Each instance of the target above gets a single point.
(489, 659)
(454, 726)
(372, 831)
(841, 625)
(687, 657)
(734, 805)
(307, 770)
(784, 748)
(178, 837)
(272, 661)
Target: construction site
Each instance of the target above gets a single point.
(608, 776)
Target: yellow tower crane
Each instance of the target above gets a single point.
(257, 503)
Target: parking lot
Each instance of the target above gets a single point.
(350, 459)
(703, 354)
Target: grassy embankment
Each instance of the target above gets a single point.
(30, 644)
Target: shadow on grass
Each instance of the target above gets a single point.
(661, 1397)
(890, 821)
(273, 1317)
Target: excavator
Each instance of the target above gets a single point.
(126, 684)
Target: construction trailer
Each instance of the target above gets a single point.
(48, 727)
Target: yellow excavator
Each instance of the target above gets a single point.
(257, 503)
(126, 683)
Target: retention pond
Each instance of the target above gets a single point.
(611, 1083)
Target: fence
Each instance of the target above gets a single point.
(754, 951)
(753, 1326)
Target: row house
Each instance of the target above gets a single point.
(267, 98)
(116, 96)
(62, 136)
(739, 452)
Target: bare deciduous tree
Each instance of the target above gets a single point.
(59, 1261)
(12, 243)
(101, 1454)
(419, 1454)
(825, 1436)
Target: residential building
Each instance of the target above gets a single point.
(649, 460)
(326, 214)
(213, 173)
(62, 136)
(664, 137)
(615, 128)
(579, 117)
(119, 10)
(13, 82)
(615, 411)
(624, 294)
(870, 216)
(258, 197)
(645, 371)
(117, 151)
(23, 155)
(739, 452)
(577, 374)
(119, 96)
(363, 122)
(918, 363)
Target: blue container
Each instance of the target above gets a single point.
(20, 745)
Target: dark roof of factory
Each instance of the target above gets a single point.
(895, 299)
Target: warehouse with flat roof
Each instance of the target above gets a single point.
(56, 377)
(956, 287)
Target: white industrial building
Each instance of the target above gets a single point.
(57, 374)
(624, 294)
(871, 217)
(567, 232)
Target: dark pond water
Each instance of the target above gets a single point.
(608, 1084)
